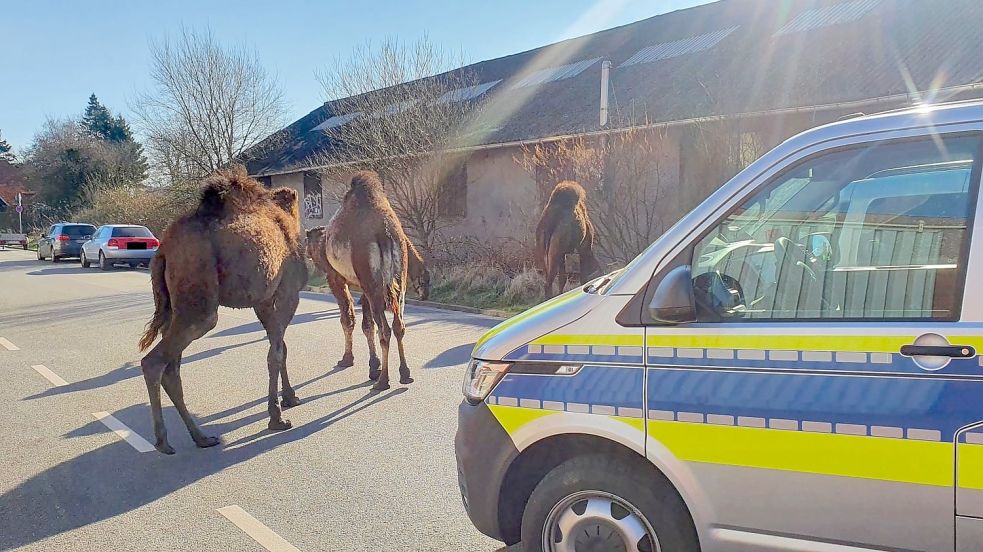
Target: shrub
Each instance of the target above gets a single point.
(153, 208)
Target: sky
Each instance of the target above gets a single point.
(57, 53)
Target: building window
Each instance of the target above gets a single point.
(313, 208)
(453, 199)
(266, 181)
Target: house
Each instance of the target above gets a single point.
(712, 86)
(12, 183)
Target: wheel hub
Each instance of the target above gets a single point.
(594, 521)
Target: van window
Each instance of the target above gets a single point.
(876, 232)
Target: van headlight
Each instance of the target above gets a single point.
(481, 378)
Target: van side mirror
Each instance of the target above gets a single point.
(674, 301)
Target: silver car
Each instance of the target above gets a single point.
(119, 243)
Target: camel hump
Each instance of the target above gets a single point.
(567, 194)
(228, 189)
(366, 186)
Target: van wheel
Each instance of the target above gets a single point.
(606, 502)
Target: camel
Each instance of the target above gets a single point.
(364, 245)
(565, 227)
(241, 248)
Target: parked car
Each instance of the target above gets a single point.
(793, 366)
(119, 243)
(64, 239)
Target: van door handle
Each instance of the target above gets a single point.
(951, 351)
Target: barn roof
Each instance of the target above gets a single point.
(729, 57)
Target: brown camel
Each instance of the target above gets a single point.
(565, 227)
(364, 245)
(241, 248)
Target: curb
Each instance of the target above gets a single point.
(493, 313)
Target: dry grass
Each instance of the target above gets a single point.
(487, 288)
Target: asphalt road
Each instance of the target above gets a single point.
(358, 471)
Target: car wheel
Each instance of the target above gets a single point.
(85, 262)
(54, 258)
(104, 263)
(40, 258)
(606, 502)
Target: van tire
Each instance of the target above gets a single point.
(632, 480)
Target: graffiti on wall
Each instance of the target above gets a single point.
(313, 208)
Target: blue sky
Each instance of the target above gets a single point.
(57, 53)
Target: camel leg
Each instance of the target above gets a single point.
(399, 330)
(378, 305)
(179, 334)
(339, 288)
(285, 306)
(551, 273)
(275, 359)
(368, 328)
(171, 382)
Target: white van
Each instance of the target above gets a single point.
(793, 366)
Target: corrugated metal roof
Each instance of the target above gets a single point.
(551, 74)
(895, 47)
(467, 93)
(676, 48)
(829, 15)
(336, 121)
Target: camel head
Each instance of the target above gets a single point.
(315, 243)
(421, 283)
(288, 200)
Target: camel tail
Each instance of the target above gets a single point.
(162, 303)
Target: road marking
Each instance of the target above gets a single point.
(256, 530)
(8, 345)
(54, 378)
(125, 433)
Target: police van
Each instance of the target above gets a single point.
(793, 366)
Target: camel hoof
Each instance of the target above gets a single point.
(280, 425)
(374, 363)
(345, 362)
(164, 448)
(207, 441)
(374, 374)
(288, 402)
(380, 386)
(405, 380)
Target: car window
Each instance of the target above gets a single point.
(131, 232)
(78, 230)
(52, 231)
(876, 232)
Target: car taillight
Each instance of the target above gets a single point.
(113, 243)
(154, 243)
(63, 237)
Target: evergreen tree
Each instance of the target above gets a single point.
(97, 121)
(6, 153)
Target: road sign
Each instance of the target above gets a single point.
(19, 209)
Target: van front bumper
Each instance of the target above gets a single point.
(484, 453)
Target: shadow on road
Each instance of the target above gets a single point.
(124, 372)
(458, 356)
(257, 327)
(14, 265)
(123, 307)
(75, 493)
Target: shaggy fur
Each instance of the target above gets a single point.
(240, 248)
(364, 245)
(565, 228)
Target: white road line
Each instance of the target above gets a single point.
(125, 433)
(54, 378)
(256, 530)
(8, 345)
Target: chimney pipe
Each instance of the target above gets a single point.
(605, 75)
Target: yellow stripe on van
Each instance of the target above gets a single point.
(969, 466)
(851, 343)
(559, 300)
(901, 460)
(589, 339)
(514, 417)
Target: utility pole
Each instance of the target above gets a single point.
(20, 213)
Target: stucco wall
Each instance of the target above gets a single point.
(296, 181)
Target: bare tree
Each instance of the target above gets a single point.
(397, 109)
(208, 105)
